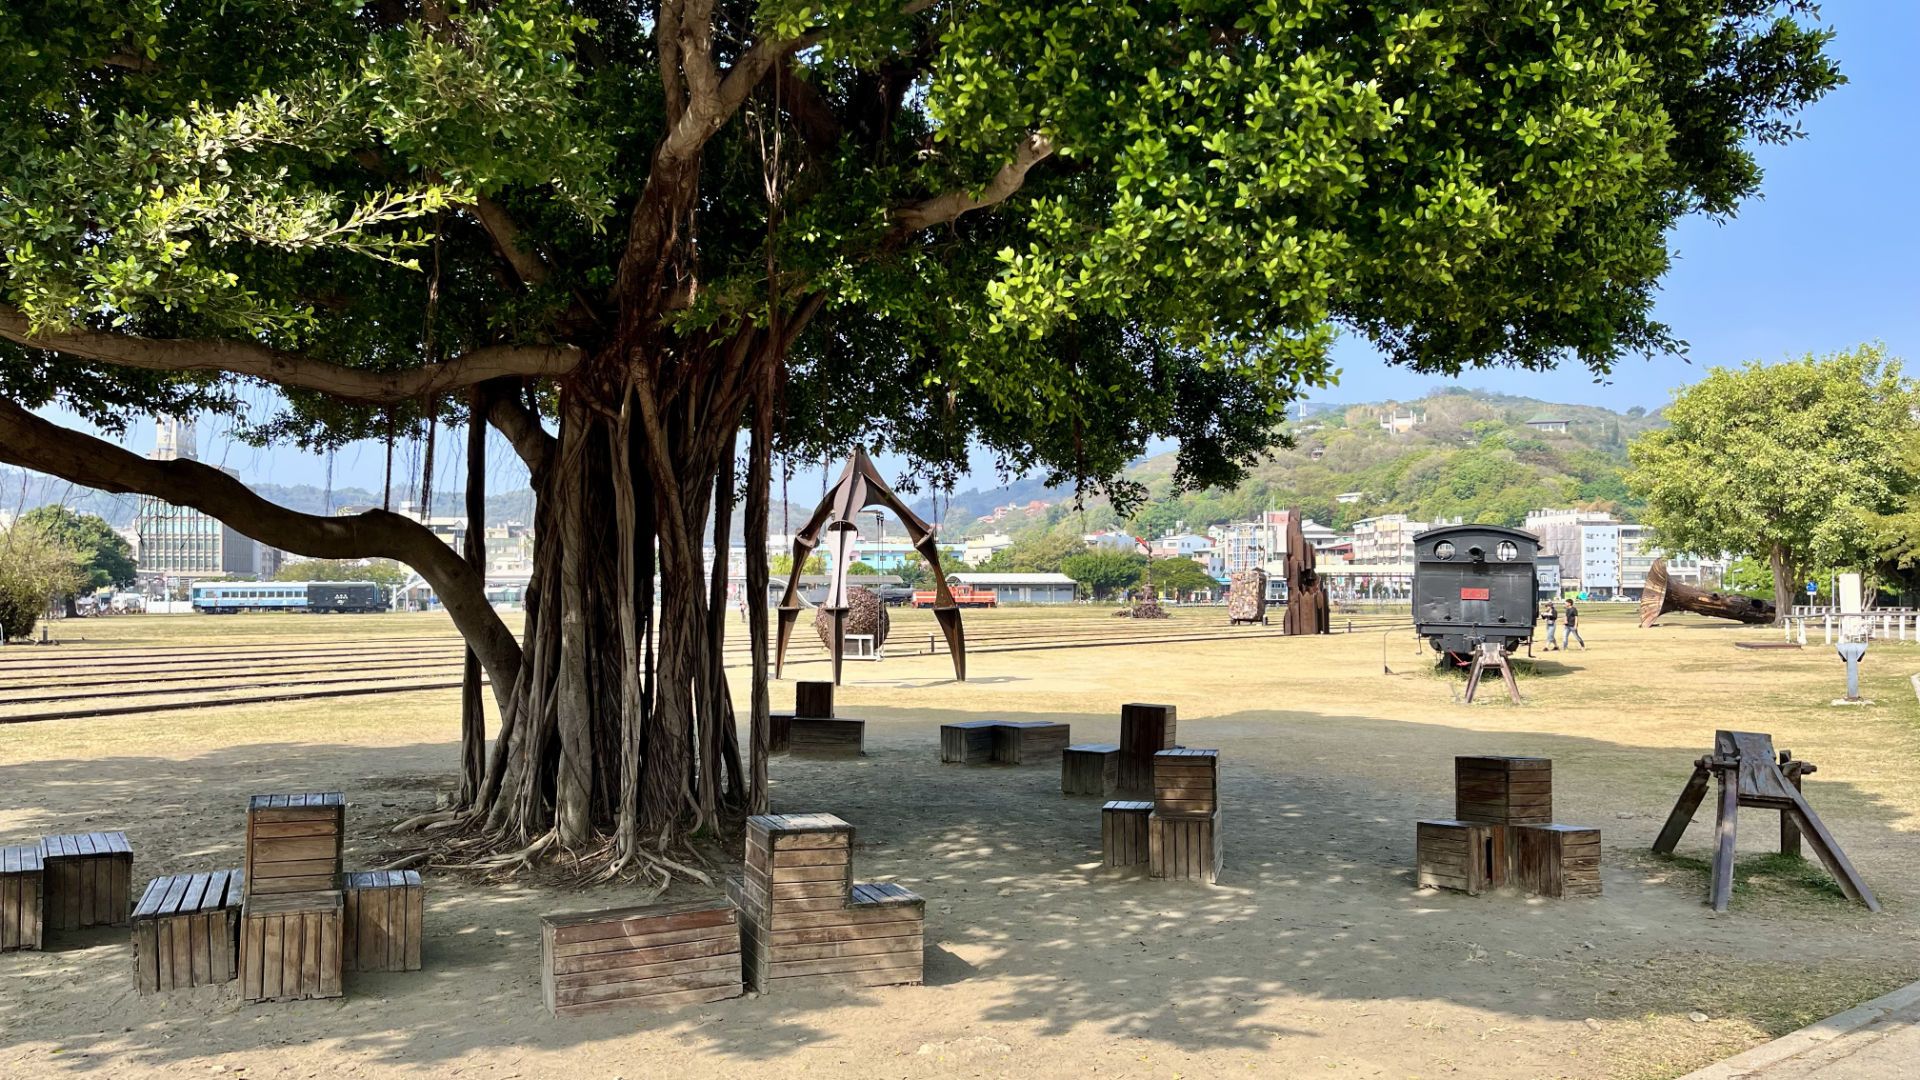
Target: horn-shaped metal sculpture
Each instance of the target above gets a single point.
(1662, 594)
(859, 487)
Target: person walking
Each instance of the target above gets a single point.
(1552, 615)
(1573, 627)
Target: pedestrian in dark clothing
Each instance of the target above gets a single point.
(1553, 618)
(1573, 627)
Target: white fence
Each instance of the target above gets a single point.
(1885, 624)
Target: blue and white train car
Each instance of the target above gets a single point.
(233, 597)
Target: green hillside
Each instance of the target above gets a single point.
(1471, 455)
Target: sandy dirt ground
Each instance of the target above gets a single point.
(1314, 955)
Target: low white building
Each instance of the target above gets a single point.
(1033, 588)
(980, 549)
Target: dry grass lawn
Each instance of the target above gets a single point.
(1315, 955)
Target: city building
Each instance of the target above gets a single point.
(982, 548)
(1022, 588)
(1549, 424)
(1257, 544)
(180, 542)
(1635, 556)
(1399, 421)
(1559, 533)
(1387, 540)
(509, 549)
(1112, 540)
(1600, 560)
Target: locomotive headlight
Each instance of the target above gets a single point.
(1443, 550)
(1507, 551)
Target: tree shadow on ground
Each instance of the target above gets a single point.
(1316, 902)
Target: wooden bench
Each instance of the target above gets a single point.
(1145, 730)
(1029, 742)
(186, 932)
(814, 736)
(1557, 860)
(1123, 832)
(1184, 848)
(1186, 783)
(1503, 790)
(967, 742)
(22, 892)
(88, 880)
(382, 911)
(1464, 856)
(804, 922)
(660, 954)
(1090, 769)
(293, 843)
(813, 700)
(291, 946)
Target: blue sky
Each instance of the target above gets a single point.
(1823, 261)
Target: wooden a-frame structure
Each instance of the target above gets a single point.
(1750, 774)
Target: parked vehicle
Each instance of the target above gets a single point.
(963, 595)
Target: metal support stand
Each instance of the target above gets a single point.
(1490, 655)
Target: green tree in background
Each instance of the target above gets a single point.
(386, 573)
(782, 564)
(1791, 463)
(1103, 572)
(106, 559)
(619, 234)
(36, 567)
(1177, 577)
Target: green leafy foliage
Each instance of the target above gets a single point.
(1790, 462)
(1103, 572)
(35, 568)
(780, 565)
(1181, 577)
(1225, 186)
(386, 573)
(106, 559)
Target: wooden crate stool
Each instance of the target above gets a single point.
(88, 880)
(968, 742)
(1123, 832)
(186, 932)
(382, 912)
(1029, 742)
(1556, 860)
(1183, 848)
(883, 944)
(660, 954)
(291, 946)
(1145, 730)
(1503, 790)
(814, 736)
(1465, 856)
(293, 843)
(779, 732)
(813, 700)
(22, 907)
(1186, 783)
(1090, 769)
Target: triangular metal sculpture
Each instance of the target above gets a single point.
(859, 487)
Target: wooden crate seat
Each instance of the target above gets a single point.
(22, 897)
(291, 946)
(88, 880)
(1145, 730)
(1503, 790)
(1090, 769)
(967, 742)
(812, 736)
(294, 843)
(651, 956)
(186, 931)
(1186, 783)
(383, 912)
(1184, 848)
(1557, 860)
(1123, 832)
(1029, 742)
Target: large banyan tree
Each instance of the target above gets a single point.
(621, 234)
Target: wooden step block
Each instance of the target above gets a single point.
(968, 742)
(779, 732)
(659, 954)
(1503, 790)
(383, 913)
(1029, 742)
(1123, 832)
(1186, 783)
(1465, 856)
(292, 946)
(817, 737)
(1090, 769)
(813, 700)
(22, 897)
(293, 842)
(1183, 848)
(1145, 730)
(186, 932)
(875, 937)
(1557, 860)
(88, 880)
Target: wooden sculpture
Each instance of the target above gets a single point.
(1307, 611)
(859, 487)
(1750, 774)
(1662, 594)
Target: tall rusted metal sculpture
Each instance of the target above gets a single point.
(1662, 594)
(1307, 610)
(859, 487)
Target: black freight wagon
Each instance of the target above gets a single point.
(347, 597)
(1474, 584)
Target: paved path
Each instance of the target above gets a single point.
(1875, 1041)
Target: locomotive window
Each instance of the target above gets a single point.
(1443, 550)
(1507, 551)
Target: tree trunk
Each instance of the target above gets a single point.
(759, 492)
(1785, 579)
(473, 714)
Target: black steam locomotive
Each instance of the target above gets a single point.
(1475, 584)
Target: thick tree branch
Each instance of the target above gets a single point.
(30, 442)
(506, 239)
(946, 207)
(512, 418)
(293, 369)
